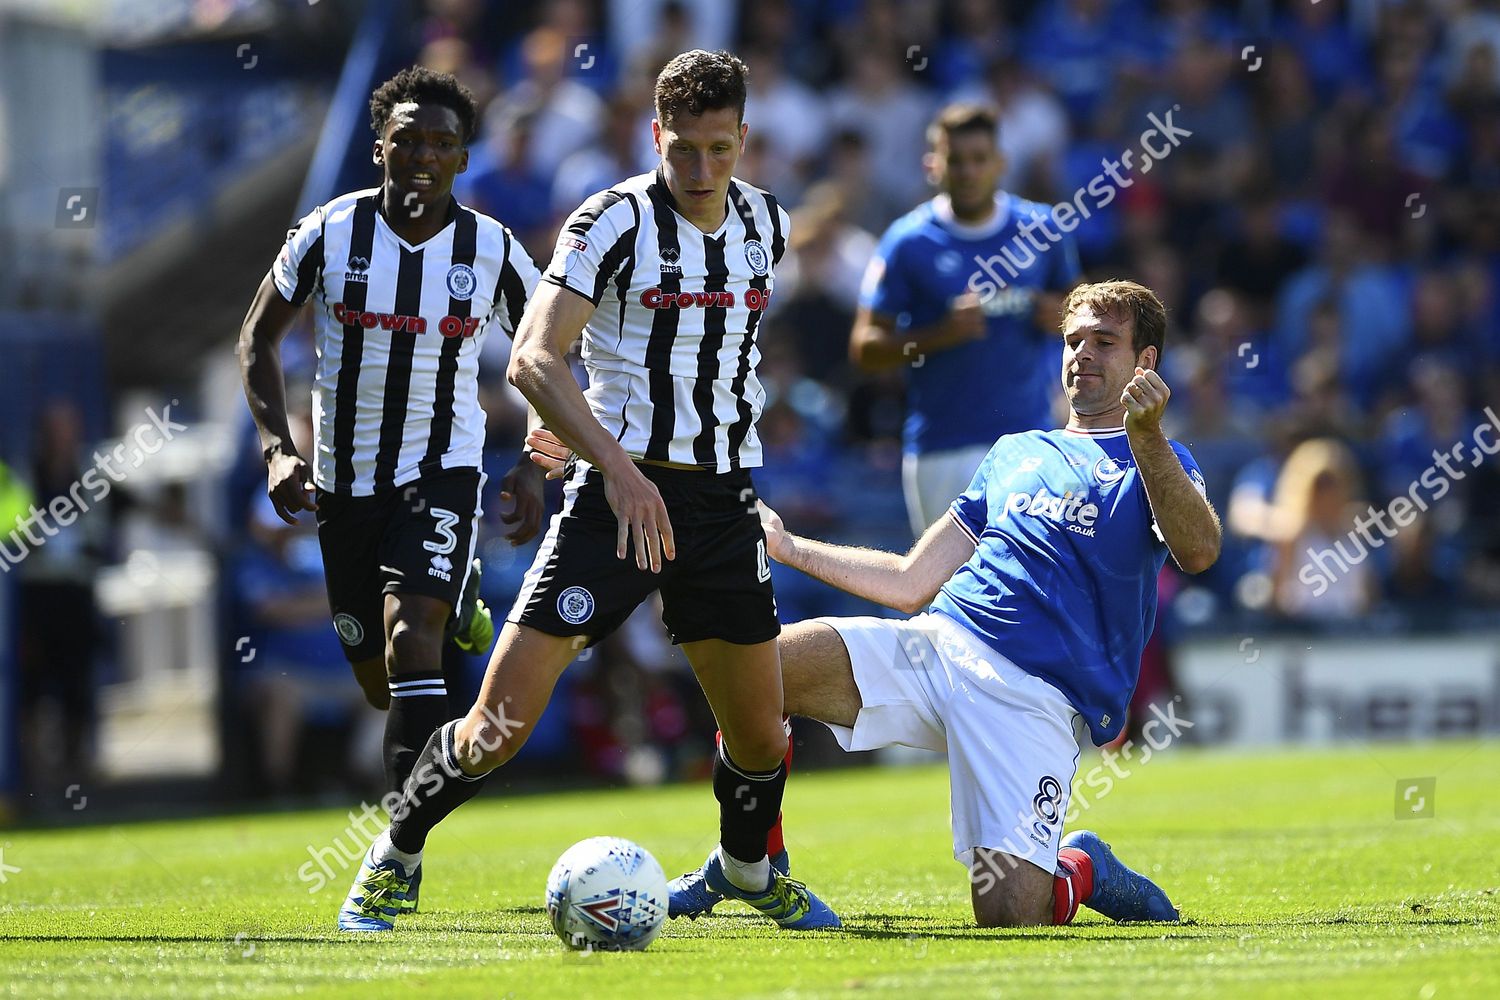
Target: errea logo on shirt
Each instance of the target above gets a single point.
(1071, 510)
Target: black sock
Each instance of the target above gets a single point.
(419, 704)
(437, 787)
(749, 803)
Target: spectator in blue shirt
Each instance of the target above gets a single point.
(964, 290)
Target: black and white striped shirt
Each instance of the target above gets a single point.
(671, 349)
(398, 332)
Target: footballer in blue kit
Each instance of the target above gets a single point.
(1055, 518)
(963, 291)
(1032, 598)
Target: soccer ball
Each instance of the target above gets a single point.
(607, 893)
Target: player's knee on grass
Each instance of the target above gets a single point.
(1009, 892)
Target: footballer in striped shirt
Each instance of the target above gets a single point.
(404, 284)
(665, 277)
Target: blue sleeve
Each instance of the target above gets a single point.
(972, 510)
(1191, 465)
(887, 286)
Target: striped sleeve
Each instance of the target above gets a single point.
(300, 262)
(594, 243)
(781, 228)
(516, 284)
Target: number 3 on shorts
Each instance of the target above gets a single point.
(447, 540)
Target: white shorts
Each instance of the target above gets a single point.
(931, 482)
(1012, 739)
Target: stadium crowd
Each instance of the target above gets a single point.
(1325, 239)
(1326, 236)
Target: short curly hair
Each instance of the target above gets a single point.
(699, 81)
(417, 84)
(1124, 300)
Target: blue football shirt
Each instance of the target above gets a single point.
(1000, 384)
(1063, 578)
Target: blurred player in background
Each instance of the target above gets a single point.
(666, 277)
(1039, 589)
(406, 283)
(964, 292)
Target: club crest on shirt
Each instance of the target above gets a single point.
(1108, 471)
(351, 632)
(755, 256)
(461, 281)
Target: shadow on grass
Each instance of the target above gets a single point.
(330, 938)
(891, 926)
(868, 926)
(1373, 920)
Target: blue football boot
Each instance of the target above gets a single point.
(377, 897)
(784, 900)
(1119, 893)
(689, 895)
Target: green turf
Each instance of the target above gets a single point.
(1291, 869)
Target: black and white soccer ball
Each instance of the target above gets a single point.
(607, 893)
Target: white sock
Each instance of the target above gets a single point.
(384, 850)
(752, 876)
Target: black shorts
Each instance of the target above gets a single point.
(416, 538)
(718, 587)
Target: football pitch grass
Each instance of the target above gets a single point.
(1293, 873)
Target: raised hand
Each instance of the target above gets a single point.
(1145, 400)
